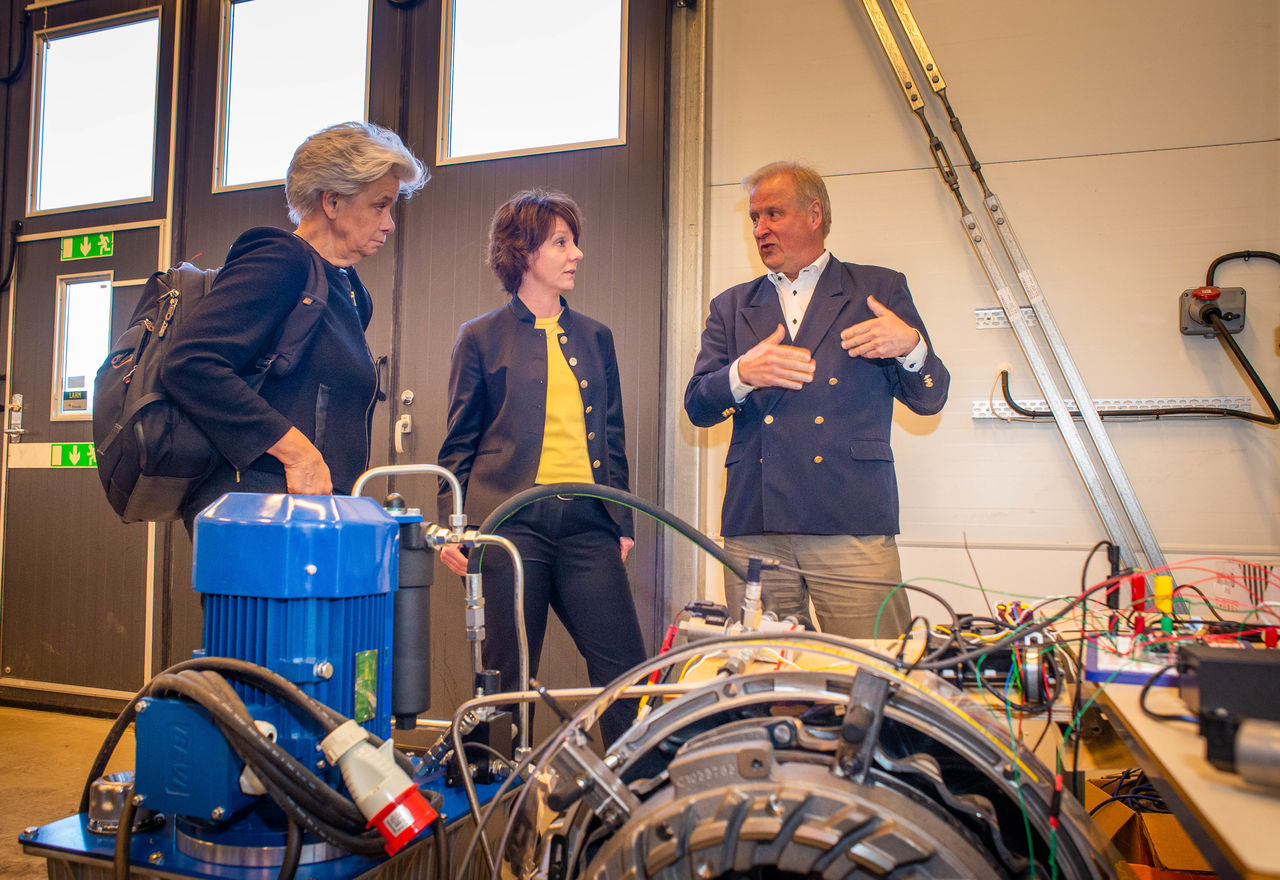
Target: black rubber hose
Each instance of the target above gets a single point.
(606, 493)
(1237, 255)
(264, 756)
(1225, 335)
(13, 253)
(274, 776)
(21, 63)
(292, 852)
(440, 840)
(242, 670)
(124, 839)
(268, 760)
(1214, 411)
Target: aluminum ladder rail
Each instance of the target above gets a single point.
(1139, 554)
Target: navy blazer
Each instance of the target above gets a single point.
(815, 461)
(498, 407)
(329, 396)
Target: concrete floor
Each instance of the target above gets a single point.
(44, 760)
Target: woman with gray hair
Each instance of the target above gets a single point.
(306, 431)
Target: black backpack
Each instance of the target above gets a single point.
(150, 456)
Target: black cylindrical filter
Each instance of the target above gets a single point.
(411, 661)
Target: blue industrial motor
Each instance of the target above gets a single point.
(304, 586)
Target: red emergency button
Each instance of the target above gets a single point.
(1206, 294)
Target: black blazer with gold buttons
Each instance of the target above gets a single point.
(815, 461)
(498, 401)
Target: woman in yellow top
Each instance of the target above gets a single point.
(534, 398)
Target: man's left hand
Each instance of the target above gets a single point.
(886, 335)
(625, 544)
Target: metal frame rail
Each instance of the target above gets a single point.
(1127, 527)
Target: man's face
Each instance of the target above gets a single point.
(788, 234)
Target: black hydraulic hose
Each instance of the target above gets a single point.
(1204, 411)
(269, 759)
(275, 774)
(264, 679)
(120, 868)
(13, 250)
(606, 493)
(1237, 255)
(1225, 336)
(292, 852)
(440, 840)
(21, 63)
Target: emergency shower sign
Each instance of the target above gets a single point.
(84, 247)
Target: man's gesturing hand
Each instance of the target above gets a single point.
(772, 365)
(886, 335)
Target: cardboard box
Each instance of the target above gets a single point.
(1154, 843)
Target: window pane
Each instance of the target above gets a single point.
(295, 67)
(84, 323)
(96, 111)
(533, 75)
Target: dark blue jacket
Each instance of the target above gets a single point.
(329, 396)
(815, 461)
(498, 401)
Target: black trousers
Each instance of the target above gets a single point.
(573, 566)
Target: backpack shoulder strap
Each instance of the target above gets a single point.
(300, 325)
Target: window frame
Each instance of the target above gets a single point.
(445, 98)
(60, 324)
(223, 96)
(40, 39)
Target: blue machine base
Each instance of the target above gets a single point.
(157, 855)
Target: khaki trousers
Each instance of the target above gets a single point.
(847, 577)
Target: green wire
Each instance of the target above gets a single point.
(1013, 741)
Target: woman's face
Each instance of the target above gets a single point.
(554, 264)
(362, 222)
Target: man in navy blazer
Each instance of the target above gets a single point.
(807, 360)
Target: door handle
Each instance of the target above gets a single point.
(404, 425)
(14, 429)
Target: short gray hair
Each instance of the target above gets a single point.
(344, 159)
(808, 183)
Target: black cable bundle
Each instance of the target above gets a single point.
(309, 802)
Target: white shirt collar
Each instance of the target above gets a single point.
(808, 275)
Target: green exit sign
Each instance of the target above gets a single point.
(84, 247)
(72, 455)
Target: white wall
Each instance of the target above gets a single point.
(1131, 143)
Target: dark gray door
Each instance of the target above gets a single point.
(74, 591)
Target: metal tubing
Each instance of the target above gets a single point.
(395, 469)
(522, 637)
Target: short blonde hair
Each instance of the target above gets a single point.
(344, 159)
(808, 183)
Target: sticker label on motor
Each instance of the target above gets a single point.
(366, 696)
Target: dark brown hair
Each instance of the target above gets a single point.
(521, 226)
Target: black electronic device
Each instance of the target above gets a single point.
(1235, 694)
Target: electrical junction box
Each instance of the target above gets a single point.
(1230, 682)
(1193, 304)
(185, 766)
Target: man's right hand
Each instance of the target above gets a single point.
(772, 365)
(451, 556)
